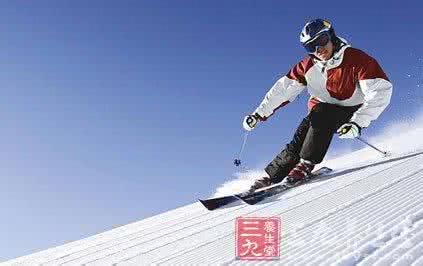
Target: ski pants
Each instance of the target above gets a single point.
(312, 138)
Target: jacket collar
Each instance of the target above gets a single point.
(336, 59)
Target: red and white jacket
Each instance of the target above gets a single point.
(350, 77)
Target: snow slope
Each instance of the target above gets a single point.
(370, 212)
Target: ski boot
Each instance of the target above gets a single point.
(299, 173)
(260, 183)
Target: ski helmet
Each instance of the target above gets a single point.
(316, 33)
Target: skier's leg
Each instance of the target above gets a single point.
(325, 119)
(309, 144)
(288, 157)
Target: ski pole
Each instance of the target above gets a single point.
(237, 160)
(372, 146)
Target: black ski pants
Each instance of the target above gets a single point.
(312, 138)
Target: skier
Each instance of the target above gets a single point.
(348, 89)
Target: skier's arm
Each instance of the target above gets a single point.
(377, 90)
(285, 90)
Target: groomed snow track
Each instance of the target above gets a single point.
(368, 215)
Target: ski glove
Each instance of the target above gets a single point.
(349, 130)
(250, 121)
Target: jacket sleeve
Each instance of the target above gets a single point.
(285, 90)
(377, 90)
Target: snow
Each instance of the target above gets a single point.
(369, 213)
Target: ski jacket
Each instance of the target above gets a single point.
(349, 78)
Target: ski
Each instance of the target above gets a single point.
(257, 196)
(215, 203)
(267, 192)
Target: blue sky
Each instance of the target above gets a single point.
(113, 111)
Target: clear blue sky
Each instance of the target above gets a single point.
(113, 111)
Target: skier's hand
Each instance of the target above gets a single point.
(250, 121)
(349, 131)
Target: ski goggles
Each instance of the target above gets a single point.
(322, 40)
